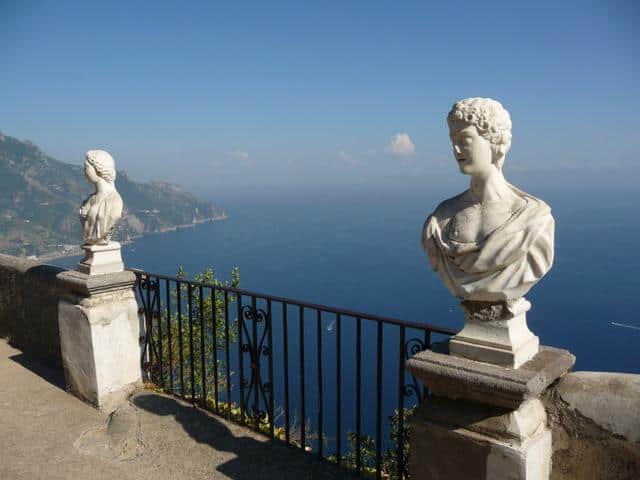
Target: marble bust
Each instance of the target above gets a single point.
(492, 242)
(101, 210)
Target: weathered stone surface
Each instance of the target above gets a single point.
(461, 378)
(500, 423)
(99, 336)
(460, 440)
(29, 306)
(79, 283)
(611, 400)
(595, 425)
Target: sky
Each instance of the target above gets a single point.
(242, 96)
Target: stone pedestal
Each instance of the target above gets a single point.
(99, 336)
(101, 259)
(496, 333)
(460, 440)
(483, 421)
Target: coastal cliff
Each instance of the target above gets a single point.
(40, 196)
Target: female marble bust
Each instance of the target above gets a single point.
(101, 210)
(492, 242)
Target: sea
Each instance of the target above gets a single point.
(359, 248)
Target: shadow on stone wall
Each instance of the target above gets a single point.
(29, 294)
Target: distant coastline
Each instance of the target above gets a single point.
(71, 252)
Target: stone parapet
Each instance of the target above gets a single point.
(594, 418)
(29, 296)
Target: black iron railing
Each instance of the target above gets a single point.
(326, 380)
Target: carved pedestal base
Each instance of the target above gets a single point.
(496, 333)
(101, 259)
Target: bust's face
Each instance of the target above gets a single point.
(90, 173)
(472, 152)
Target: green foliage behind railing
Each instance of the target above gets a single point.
(196, 337)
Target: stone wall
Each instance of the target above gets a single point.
(29, 293)
(595, 422)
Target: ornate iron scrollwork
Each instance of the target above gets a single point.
(413, 346)
(149, 294)
(255, 324)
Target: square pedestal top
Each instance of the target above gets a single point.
(462, 378)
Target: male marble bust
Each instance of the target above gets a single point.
(492, 242)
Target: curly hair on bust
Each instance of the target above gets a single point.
(103, 164)
(490, 118)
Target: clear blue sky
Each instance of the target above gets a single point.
(237, 95)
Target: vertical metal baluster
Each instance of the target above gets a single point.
(148, 317)
(240, 322)
(320, 405)
(400, 454)
(180, 338)
(227, 352)
(270, 366)
(302, 402)
(169, 339)
(358, 392)
(191, 359)
(255, 363)
(379, 403)
(338, 389)
(159, 317)
(203, 366)
(285, 334)
(427, 346)
(214, 344)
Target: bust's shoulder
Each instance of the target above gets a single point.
(114, 197)
(530, 202)
(449, 207)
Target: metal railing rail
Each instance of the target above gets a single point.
(201, 338)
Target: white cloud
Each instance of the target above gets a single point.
(401, 144)
(240, 155)
(348, 159)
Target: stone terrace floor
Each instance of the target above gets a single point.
(46, 433)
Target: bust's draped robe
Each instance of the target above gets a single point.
(502, 266)
(99, 217)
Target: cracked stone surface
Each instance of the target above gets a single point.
(587, 448)
(46, 433)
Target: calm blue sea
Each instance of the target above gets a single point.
(360, 249)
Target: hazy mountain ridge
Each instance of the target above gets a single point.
(40, 197)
